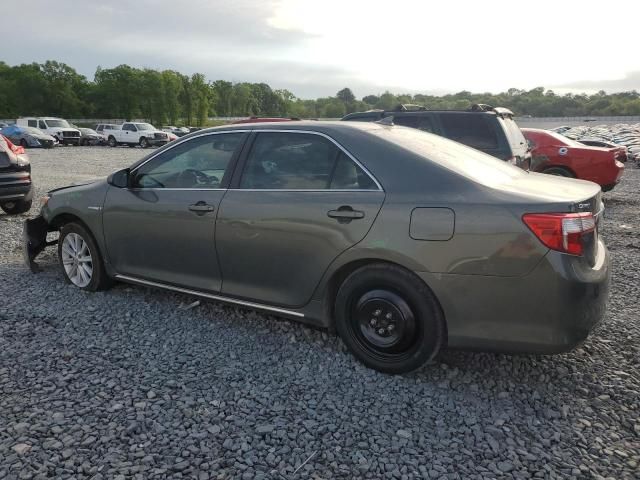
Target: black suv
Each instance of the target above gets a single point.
(16, 190)
(483, 127)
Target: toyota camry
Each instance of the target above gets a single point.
(402, 241)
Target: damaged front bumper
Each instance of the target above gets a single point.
(34, 241)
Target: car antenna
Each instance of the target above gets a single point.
(388, 121)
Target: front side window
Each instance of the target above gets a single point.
(199, 163)
(300, 161)
(129, 126)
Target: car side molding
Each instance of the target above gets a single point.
(219, 298)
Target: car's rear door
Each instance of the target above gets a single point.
(297, 202)
(162, 227)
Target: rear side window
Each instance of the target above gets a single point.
(300, 161)
(415, 121)
(477, 131)
(33, 123)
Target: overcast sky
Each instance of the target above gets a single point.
(316, 47)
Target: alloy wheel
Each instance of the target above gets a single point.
(77, 260)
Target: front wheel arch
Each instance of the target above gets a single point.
(63, 219)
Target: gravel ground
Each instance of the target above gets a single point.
(132, 383)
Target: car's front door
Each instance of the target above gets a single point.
(300, 201)
(163, 226)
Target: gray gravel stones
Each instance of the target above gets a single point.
(124, 384)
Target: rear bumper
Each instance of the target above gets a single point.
(551, 310)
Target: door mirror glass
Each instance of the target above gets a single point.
(119, 179)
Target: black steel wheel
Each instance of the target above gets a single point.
(389, 318)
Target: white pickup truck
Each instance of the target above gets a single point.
(133, 133)
(58, 128)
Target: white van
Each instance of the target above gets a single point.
(58, 128)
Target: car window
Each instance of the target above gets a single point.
(415, 121)
(129, 126)
(199, 163)
(33, 123)
(476, 131)
(347, 175)
(289, 161)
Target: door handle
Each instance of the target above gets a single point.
(345, 214)
(201, 208)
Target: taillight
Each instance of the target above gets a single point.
(563, 232)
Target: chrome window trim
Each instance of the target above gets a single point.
(340, 147)
(138, 189)
(266, 130)
(310, 190)
(220, 298)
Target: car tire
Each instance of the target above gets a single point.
(80, 259)
(16, 207)
(24, 143)
(131, 145)
(559, 172)
(112, 141)
(389, 319)
(144, 143)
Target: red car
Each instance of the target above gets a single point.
(555, 154)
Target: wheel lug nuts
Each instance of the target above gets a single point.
(381, 331)
(388, 316)
(377, 313)
(391, 327)
(373, 322)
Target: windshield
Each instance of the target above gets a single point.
(469, 162)
(145, 126)
(33, 131)
(57, 123)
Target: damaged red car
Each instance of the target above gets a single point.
(556, 154)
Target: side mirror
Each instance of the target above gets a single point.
(119, 179)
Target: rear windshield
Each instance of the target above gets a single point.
(468, 162)
(477, 131)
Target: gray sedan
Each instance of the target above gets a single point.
(402, 241)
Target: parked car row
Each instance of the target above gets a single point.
(620, 135)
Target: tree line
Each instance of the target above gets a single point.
(167, 96)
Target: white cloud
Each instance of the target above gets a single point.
(316, 47)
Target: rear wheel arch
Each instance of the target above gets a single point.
(341, 274)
